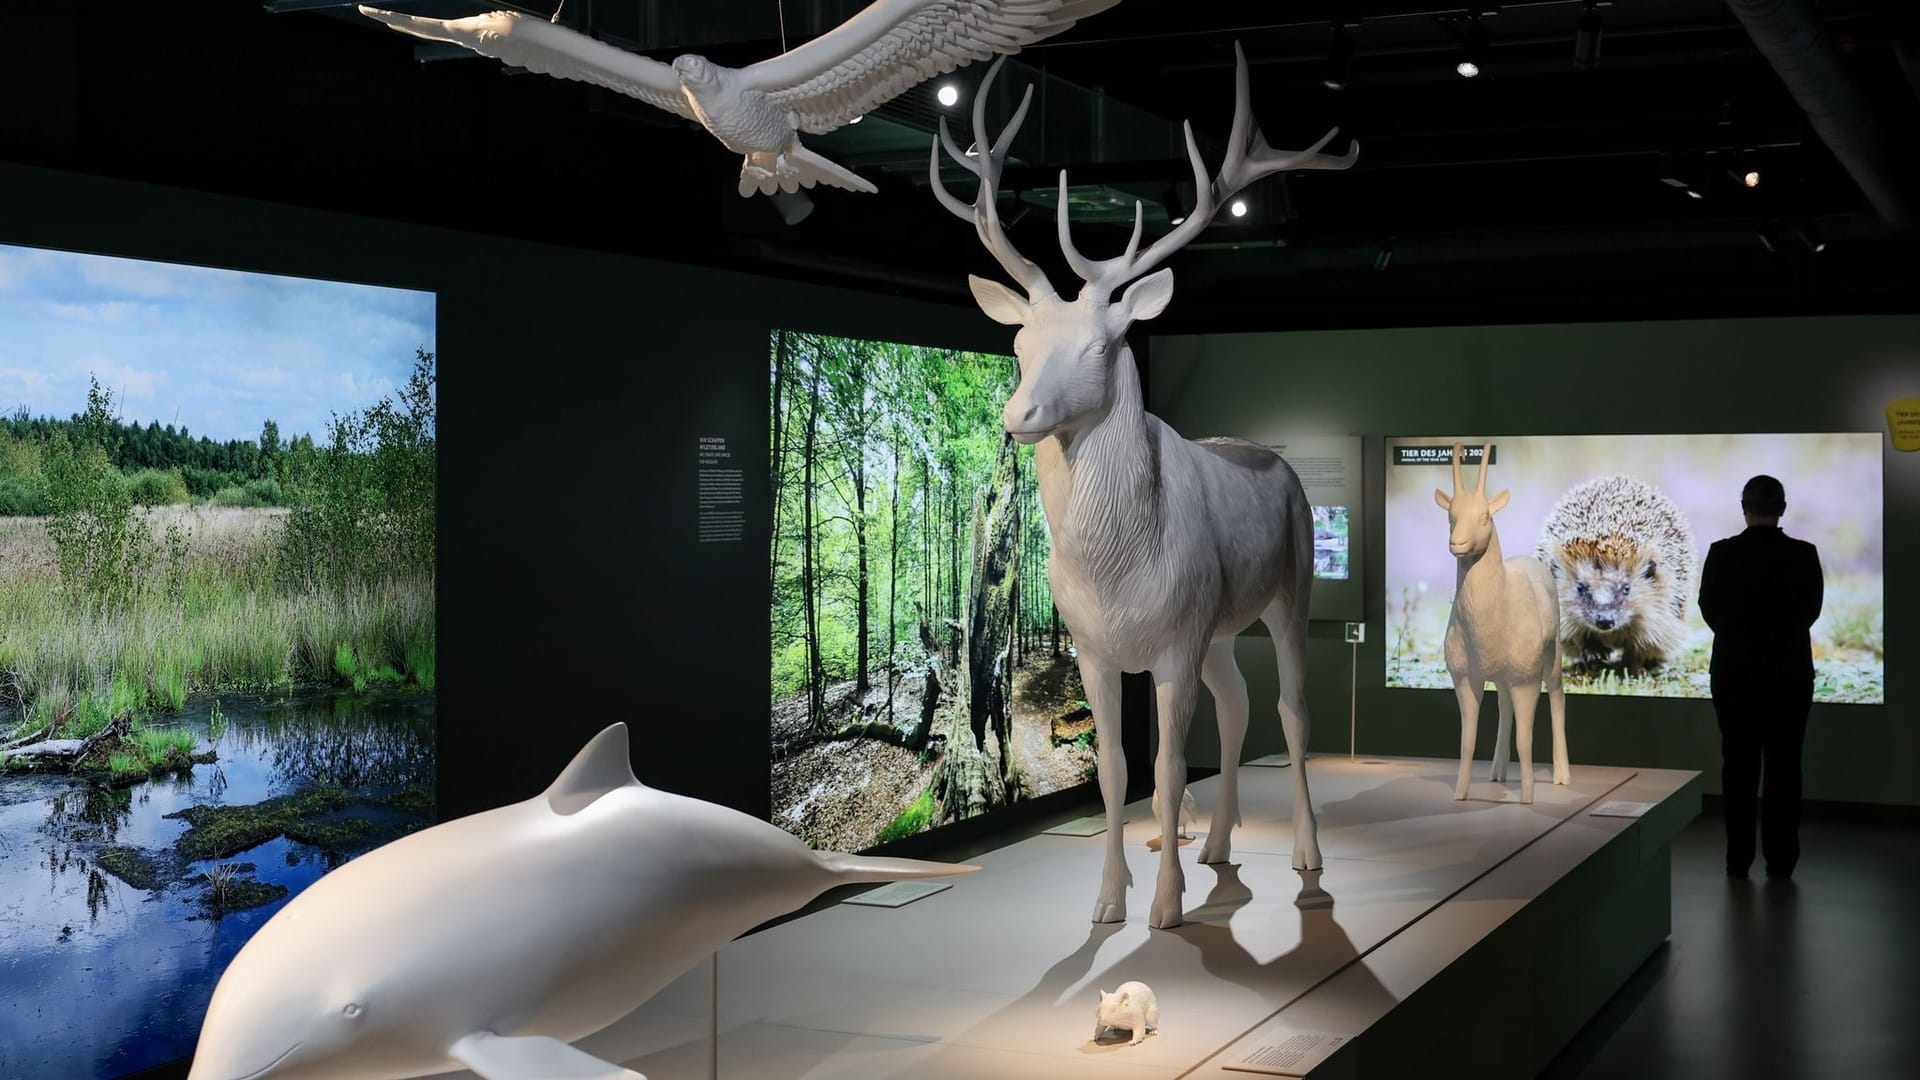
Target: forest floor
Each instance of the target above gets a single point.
(839, 795)
(1049, 705)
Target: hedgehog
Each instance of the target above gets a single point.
(1621, 554)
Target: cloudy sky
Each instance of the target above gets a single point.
(215, 350)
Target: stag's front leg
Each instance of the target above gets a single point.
(1174, 693)
(1468, 687)
(1229, 690)
(1102, 683)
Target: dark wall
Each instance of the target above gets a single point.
(1759, 375)
(573, 387)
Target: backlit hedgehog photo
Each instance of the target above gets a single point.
(1622, 556)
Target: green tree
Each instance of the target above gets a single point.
(102, 543)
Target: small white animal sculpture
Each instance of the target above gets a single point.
(1189, 812)
(760, 110)
(1505, 627)
(491, 942)
(1163, 549)
(1132, 1006)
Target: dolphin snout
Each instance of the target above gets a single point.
(203, 1069)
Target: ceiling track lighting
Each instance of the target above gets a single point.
(1586, 36)
(1810, 237)
(1339, 60)
(1472, 60)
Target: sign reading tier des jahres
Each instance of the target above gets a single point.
(723, 516)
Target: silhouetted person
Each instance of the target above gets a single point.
(1760, 592)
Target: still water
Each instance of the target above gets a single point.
(98, 977)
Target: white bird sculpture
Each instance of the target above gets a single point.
(760, 110)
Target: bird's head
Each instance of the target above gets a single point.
(695, 70)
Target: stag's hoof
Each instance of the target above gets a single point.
(1563, 776)
(1110, 911)
(1460, 792)
(1526, 794)
(1306, 857)
(1498, 775)
(1166, 913)
(1217, 849)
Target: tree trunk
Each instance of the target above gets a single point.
(995, 567)
(893, 577)
(809, 584)
(861, 606)
(775, 472)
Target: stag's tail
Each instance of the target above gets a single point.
(855, 868)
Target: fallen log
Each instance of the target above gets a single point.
(67, 750)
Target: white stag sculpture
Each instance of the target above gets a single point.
(1163, 549)
(1505, 627)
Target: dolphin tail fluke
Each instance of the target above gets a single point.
(856, 868)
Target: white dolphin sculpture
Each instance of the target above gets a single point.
(491, 942)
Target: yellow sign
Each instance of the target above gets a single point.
(1903, 423)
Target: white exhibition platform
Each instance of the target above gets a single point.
(1442, 938)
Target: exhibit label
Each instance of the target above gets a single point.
(1903, 423)
(723, 517)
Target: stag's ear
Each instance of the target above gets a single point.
(1499, 502)
(1149, 296)
(1001, 304)
(1445, 500)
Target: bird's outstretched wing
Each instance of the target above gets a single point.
(550, 49)
(892, 45)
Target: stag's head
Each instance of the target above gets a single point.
(1470, 513)
(1069, 350)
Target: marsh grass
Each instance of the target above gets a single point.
(221, 617)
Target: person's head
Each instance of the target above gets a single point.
(1763, 500)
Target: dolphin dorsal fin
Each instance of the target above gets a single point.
(600, 766)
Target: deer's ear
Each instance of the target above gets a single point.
(1499, 502)
(1001, 304)
(1149, 296)
(1441, 497)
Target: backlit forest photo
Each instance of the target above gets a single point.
(920, 674)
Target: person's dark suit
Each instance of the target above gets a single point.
(1760, 591)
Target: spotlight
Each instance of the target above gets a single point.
(1586, 37)
(948, 95)
(1694, 193)
(1385, 256)
(1238, 208)
(857, 119)
(1766, 242)
(1339, 60)
(1810, 236)
(792, 206)
(1473, 49)
(1752, 178)
(1178, 220)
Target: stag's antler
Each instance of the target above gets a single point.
(1248, 159)
(984, 213)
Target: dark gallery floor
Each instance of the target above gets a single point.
(1816, 978)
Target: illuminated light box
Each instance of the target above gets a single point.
(1625, 521)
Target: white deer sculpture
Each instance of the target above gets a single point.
(1505, 627)
(1163, 549)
